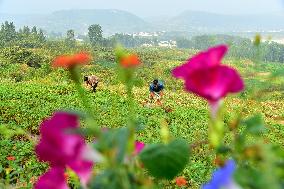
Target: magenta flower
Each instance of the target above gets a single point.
(56, 145)
(54, 178)
(205, 76)
(139, 146)
(60, 148)
(83, 169)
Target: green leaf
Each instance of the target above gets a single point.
(114, 139)
(115, 178)
(121, 139)
(86, 132)
(246, 176)
(255, 125)
(223, 150)
(166, 160)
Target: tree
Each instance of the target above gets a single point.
(95, 35)
(26, 31)
(125, 39)
(34, 30)
(29, 38)
(41, 36)
(183, 42)
(70, 38)
(8, 33)
(109, 42)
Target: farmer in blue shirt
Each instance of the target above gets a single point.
(156, 90)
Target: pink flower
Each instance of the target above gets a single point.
(205, 76)
(83, 169)
(60, 148)
(56, 146)
(139, 146)
(53, 179)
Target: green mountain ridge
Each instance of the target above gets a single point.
(208, 22)
(118, 21)
(112, 21)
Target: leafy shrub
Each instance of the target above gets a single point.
(20, 55)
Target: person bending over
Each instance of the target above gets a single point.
(91, 81)
(156, 90)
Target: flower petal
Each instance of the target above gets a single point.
(68, 61)
(53, 179)
(129, 61)
(203, 60)
(215, 83)
(56, 146)
(83, 169)
(139, 146)
(180, 181)
(222, 178)
(181, 71)
(216, 54)
(81, 58)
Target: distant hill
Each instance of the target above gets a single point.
(117, 21)
(112, 21)
(211, 22)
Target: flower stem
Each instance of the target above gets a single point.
(131, 116)
(91, 119)
(128, 73)
(216, 125)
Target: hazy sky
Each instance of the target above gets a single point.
(145, 7)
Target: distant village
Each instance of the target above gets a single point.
(165, 43)
(149, 35)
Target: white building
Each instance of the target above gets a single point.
(168, 44)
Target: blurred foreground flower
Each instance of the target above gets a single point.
(11, 158)
(62, 149)
(53, 178)
(125, 59)
(223, 177)
(205, 76)
(129, 61)
(70, 61)
(139, 146)
(180, 181)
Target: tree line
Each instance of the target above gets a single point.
(96, 39)
(267, 51)
(27, 37)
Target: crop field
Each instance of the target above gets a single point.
(28, 95)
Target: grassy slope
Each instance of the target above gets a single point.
(25, 104)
